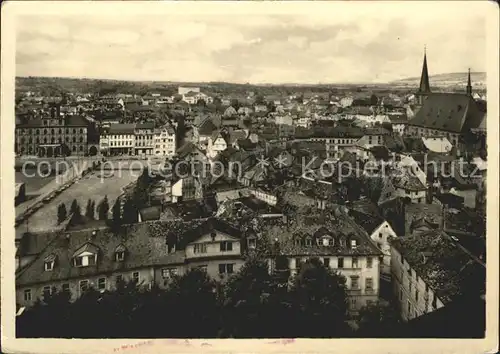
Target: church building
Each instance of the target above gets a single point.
(444, 114)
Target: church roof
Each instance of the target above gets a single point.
(449, 112)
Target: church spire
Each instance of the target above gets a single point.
(469, 85)
(424, 79)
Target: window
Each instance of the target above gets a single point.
(353, 243)
(168, 272)
(326, 262)
(84, 285)
(354, 262)
(119, 278)
(101, 283)
(353, 303)
(49, 266)
(79, 261)
(119, 256)
(298, 263)
(400, 294)
(416, 294)
(409, 307)
(369, 262)
(308, 242)
(135, 276)
(369, 284)
(203, 267)
(379, 235)
(354, 282)
(200, 248)
(341, 262)
(27, 295)
(226, 268)
(65, 288)
(226, 246)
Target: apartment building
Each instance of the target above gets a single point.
(430, 270)
(338, 243)
(164, 141)
(118, 139)
(147, 253)
(144, 138)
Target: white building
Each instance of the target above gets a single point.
(215, 145)
(164, 141)
(120, 139)
(182, 90)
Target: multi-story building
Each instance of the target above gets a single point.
(339, 243)
(144, 138)
(147, 253)
(164, 141)
(52, 135)
(118, 139)
(216, 144)
(431, 270)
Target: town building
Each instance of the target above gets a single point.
(118, 139)
(164, 141)
(53, 135)
(144, 138)
(430, 270)
(337, 241)
(147, 253)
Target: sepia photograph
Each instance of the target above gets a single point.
(238, 170)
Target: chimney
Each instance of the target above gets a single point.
(212, 235)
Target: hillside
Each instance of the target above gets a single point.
(448, 79)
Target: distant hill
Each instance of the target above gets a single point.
(448, 79)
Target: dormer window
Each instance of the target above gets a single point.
(49, 262)
(325, 241)
(120, 253)
(85, 256)
(353, 244)
(308, 242)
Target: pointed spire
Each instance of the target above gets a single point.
(469, 85)
(424, 79)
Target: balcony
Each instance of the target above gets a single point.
(369, 291)
(356, 291)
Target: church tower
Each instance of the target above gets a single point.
(469, 85)
(424, 88)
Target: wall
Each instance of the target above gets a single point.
(145, 274)
(380, 236)
(213, 246)
(416, 296)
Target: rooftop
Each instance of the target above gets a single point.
(441, 264)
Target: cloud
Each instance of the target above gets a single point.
(358, 46)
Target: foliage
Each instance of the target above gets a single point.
(130, 212)
(62, 214)
(75, 208)
(117, 212)
(320, 301)
(103, 208)
(376, 320)
(90, 209)
(252, 303)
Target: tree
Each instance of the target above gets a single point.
(259, 99)
(89, 210)
(378, 321)
(130, 212)
(373, 100)
(177, 98)
(62, 214)
(103, 208)
(192, 297)
(75, 208)
(235, 104)
(319, 302)
(201, 103)
(117, 211)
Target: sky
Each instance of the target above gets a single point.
(327, 43)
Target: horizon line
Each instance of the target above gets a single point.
(240, 82)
